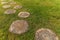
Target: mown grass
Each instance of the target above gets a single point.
(44, 14)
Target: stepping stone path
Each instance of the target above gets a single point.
(24, 14)
(19, 27)
(10, 5)
(45, 34)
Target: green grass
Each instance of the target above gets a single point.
(44, 14)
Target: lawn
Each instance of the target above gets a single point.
(44, 14)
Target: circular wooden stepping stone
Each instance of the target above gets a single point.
(24, 14)
(10, 11)
(6, 6)
(4, 2)
(17, 7)
(45, 34)
(12, 2)
(19, 27)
